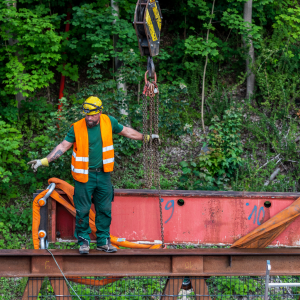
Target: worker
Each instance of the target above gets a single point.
(92, 162)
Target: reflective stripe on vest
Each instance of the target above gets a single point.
(80, 156)
(85, 159)
(108, 153)
(79, 171)
(104, 149)
(108, 161)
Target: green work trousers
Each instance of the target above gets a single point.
(99, 186)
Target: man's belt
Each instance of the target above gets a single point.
(96, 170)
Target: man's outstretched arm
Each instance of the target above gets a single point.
(135, 135)
(131, 133)
(58, 151)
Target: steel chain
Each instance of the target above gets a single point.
(151, 158)
(145, 144)
(151, 150)
(156, 172)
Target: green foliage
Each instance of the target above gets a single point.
(11, 140)
(217, 163)
(173, 110)
(69, 71)
(32, 47)
(67, 245)
(33, 117)
(124, 288)
(92, 28)
(15, 228)
(12, 288)
(290, 19)
(126, 147)
(233, 20)
(235, 286)
(197, 46)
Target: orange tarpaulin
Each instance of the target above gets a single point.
(266, 233)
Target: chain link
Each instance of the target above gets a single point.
(151, 159)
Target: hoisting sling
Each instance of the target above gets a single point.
(69, 191)
(266, 233)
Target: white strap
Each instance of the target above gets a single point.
(78, 158)
(79, 171)
(108, 148)
(108, 161)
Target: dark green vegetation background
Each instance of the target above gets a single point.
(246, 141)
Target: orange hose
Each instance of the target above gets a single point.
(94, 282)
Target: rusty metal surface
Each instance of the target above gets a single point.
(207, 194)
(194, 262)
(158, 252)
(201, 194)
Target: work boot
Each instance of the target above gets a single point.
(84, 248)
(108, 247)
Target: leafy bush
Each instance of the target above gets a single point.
(36, 44)
(11, 140)
(15, 228)
(241, 286)
(217, 163)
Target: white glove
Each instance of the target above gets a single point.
(153, 136)
(37, 163)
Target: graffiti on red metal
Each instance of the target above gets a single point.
(255, 215)
(167, 207)
(188, 265)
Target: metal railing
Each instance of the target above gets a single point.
(276, 284)
(154, 287)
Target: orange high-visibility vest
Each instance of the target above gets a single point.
(80, 156)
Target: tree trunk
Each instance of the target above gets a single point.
(204, 72)
(121, 85)
(248, 44)
(11, 42)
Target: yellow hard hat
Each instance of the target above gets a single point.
(92, 106)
